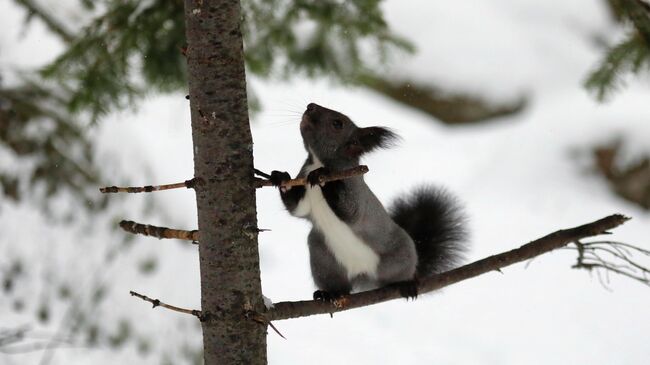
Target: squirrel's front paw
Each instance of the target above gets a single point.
(338, 299)
(326, 296)
(278, 177)
(317, 176)
(322, 296)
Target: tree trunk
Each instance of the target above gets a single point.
(225, 195)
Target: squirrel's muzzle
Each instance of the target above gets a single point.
(311, 115)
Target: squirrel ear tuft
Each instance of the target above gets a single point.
(365, 140)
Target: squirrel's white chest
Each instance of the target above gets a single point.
(348, 249)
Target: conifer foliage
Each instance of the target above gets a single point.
(630, 55)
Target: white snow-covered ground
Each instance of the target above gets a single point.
(520, 178)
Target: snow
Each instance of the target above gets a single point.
(268, 303)
(520, 178)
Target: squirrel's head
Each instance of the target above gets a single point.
(332, 136)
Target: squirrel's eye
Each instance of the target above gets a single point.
(337, 123)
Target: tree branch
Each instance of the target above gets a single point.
(159, 232)
(287, 310)
(259, 183)
(452, 108)
(157, 303)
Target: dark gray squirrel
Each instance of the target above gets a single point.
(355, 244)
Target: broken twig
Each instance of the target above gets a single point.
(190, 184)
(159, 232)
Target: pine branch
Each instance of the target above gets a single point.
(159, 232)
(627, 56)
(287, 310)
(631, 55)
(638, 12)
(452, 108)
(259, 183)
(57, 27)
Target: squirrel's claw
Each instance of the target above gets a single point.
(408, 289)
(338, 299)
(326, 296)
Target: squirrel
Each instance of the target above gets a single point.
(355, 243)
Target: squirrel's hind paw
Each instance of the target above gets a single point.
(408, 289)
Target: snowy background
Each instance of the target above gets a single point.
(519, 177)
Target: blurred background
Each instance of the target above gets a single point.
(534, 113)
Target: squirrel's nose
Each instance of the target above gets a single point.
(312, 107)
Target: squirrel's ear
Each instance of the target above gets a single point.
(365, 140)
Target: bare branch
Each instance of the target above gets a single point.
(190, 184)
(259, 183)
(159, 232)
(157, 303)
(287, 310)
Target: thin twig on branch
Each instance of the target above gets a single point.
(612, 256)
(259, 183)
(159, 232)
(261, 319)
(157, 303)
(190, 184)
(287, 310)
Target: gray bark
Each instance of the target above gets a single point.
(225, 194)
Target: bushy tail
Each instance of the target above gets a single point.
(434, 220)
